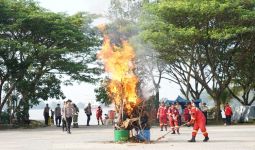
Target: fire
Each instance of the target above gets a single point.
(118, 62)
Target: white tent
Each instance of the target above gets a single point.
(243, 113)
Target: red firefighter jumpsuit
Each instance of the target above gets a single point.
(186, 115)
(173, 114)
(198, 118)
(162, 115)
(99, 115)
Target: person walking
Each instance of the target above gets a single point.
(88, 112)
(198, 119)
(162, 116)
(51, 121)
(99, 114)
(64, 127)
(75, 116)
(58, 115)
(69, 111)
(204, 109)
(228, 113)
(46, 114)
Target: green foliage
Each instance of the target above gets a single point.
(207, 36)
(124, 16)
(225, 97)
(38, 48)
(102, 93)
(171, 22)
(5, 119)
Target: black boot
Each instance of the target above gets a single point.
(192, 139)
(173, 132)
(206, 139)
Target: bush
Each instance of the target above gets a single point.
(5, 119)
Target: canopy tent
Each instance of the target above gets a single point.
(197, 101)
(169, 102)
(181, 101)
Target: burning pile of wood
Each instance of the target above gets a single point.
(122, 86)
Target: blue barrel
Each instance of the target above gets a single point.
(144, 135)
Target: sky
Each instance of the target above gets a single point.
(73, 6)
(84, 92)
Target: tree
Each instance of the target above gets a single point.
(181, 75)
(151, 69)
(38, 48)
(125, 26)
(243, 85)
(102, 93)
(206, 33)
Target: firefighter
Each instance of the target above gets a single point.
(99, 113)
(199, 121)
(162, 116)
(186, 114)
(173, 117)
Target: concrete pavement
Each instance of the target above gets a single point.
(237, 137)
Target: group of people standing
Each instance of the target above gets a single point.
(172, 114)
(68, 114)
(192, 115)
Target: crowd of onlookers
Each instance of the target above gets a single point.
(68, 114)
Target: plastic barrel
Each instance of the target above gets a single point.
(144, 135)
(121, 135)
(111, 114)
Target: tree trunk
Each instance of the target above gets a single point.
(0, 116)
(217, 111)
(6, 98)
(156, 100)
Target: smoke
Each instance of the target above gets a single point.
(124, 26)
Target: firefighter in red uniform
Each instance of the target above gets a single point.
(99, 113)
(173, 116)
(198, 119)
(162, 116)
(186, 114)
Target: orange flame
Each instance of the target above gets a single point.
(118, 64)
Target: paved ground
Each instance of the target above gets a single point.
(238, 137)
